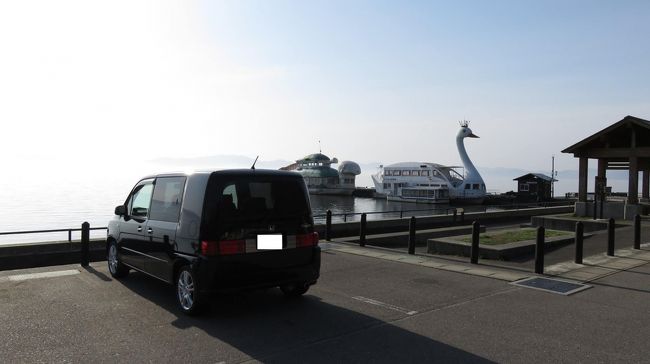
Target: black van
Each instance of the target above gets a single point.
(217, 231)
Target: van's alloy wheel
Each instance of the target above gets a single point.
(186, 291)
(115, 267)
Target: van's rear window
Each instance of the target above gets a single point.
(245, 201)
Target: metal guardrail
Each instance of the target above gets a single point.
(69, 231)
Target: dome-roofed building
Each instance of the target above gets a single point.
(322, 179)
(348, 171)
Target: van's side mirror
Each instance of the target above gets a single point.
(120, 210)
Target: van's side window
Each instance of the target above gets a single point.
(167, 196)
(141, 199)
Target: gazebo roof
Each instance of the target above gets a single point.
(617, 140)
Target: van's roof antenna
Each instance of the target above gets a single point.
(253, 166)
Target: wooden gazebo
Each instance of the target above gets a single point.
(624, 145)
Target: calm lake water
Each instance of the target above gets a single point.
(49, 195)
(56, 201)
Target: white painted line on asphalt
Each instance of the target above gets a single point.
(59, 273)
(385, 305)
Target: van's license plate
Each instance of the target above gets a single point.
(269, 242)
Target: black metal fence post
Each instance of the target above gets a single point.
(580, 229)
(539, 251)
(637, 231)
(412, 235)
(455, 216)
(473, 253)
(85, 244)
(462, 216)
(328, 226)
(362, 230)
(610, 236)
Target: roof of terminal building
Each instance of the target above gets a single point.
(316, 157)
(536, 176)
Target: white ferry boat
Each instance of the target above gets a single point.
(425, 182)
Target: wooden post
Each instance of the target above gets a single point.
(328, 226)
(411, 245)
(473, 253)
(85, 244)
(362, 230)
(539, 251)
(633, 189)
(611, 239)
(582, 179)
(580, 229)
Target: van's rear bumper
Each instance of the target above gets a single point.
(258, 270)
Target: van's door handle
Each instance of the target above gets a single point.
(150, 230)
(139, 228)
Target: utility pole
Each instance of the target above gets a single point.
(552, 176)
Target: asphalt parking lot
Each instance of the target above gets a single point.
(362, 310)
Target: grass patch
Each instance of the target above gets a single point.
(511, 236)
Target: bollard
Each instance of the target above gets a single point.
(610, 237)
(455, 216)
(401, 214)
(328, 226)
(85, 244)
(345, 217)
(637, 231)
(362, 230)
(580, 229)
(412, 235)
(595, 208)
(70, 236)
(539, 251)
(473, 253)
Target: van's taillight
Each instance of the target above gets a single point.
(223, 247)
(310, 239)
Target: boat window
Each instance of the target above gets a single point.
(415, 173)
(475, 186)
(424, 173)
(483, 187)
(396, 173)
(468, 186)
(435, 173)
(406, 173)
(388, 172)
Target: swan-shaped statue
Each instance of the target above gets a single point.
(472, 187)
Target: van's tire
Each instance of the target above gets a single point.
(115, 267)
(295, 289)
(187, 293)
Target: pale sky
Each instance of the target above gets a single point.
(375, 81)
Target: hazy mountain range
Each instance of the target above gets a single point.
(240, 161)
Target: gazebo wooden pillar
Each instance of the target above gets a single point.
(624, 145)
